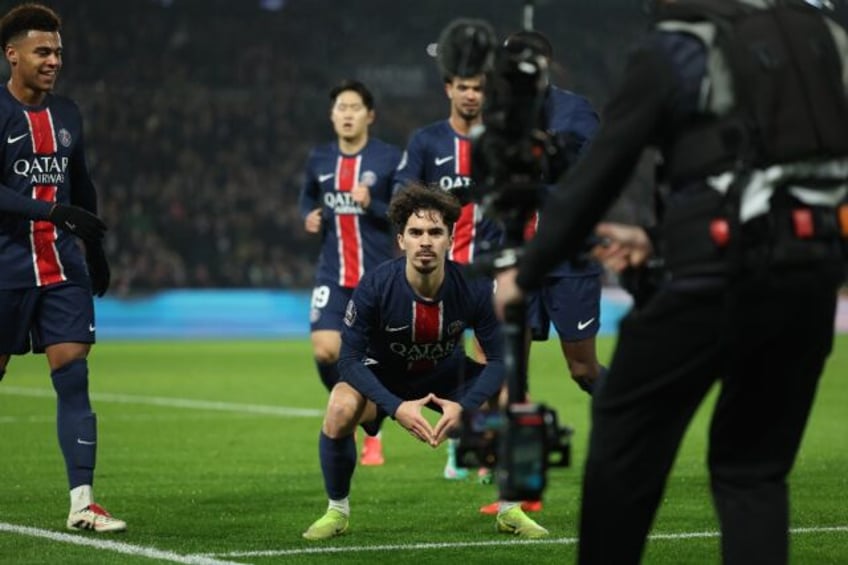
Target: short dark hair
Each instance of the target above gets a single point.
(354, 86)
(27, 17)
(448, 78)
(533, 39)
(418, 197)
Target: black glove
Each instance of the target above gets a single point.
(78, 221)
(98, 268)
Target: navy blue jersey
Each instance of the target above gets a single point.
(567, 112)
(438, 155)
(353, 240)
(43, 159)
(417, 342)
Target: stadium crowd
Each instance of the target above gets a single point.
(200, 114)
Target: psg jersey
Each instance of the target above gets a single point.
(569, 113)
(353, 240)
(437, 155)
(43, 160)
(416, 341)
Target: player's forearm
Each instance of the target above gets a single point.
(363, 380)
(30, 208)
(488, 384)
(378, 208)
(84, 194)
(306, 202)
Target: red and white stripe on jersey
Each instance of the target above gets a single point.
(45, 257)
(462, 250)
(426, 328)
(351, 262)
(531, 227)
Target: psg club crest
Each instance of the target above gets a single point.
(64, 137)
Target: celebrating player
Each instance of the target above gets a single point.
(344, 198)
(47, 201)
(402, 350)
(440, 154)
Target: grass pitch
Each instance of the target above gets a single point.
(209, 451)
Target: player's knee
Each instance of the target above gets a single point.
(342, 412)
(325, 355)
(63, 354)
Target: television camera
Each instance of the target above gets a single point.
(513, 158)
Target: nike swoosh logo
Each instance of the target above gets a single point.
(15, 139)
(91, 327)
(584, 325)
(442, 160)
(398, 329)
(322, 178)
(83, 442)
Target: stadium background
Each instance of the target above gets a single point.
(200, 113)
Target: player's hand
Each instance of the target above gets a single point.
(313, 221)
(98, 268)
(78, 221)
(361, 194)
(451, 416)
(506, 290)
(409, 416)
(624, 246)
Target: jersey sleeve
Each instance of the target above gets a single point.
(310, 191)
(487, 329)
(411, 166)
(581, 121)
(83, 192)
(20, 205)
(360, 322)
(380, 200)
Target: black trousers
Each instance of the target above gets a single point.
(765, 338)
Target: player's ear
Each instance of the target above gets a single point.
(400, 242)
(11, 55)
(371, 117)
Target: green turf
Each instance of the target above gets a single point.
(194, 480)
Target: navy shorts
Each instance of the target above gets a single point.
(451, 388)
(34, 318)
(572, 304)
(327, 309)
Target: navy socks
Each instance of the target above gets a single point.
(76, 424)
(338, 459)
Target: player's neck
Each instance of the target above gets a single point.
(462, 126)
(24, 95)
(351, 146)
(425, 285)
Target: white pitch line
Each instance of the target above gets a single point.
(455, 545)
(116, 546)
(283, 411)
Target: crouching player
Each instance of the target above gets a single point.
(402, 350)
